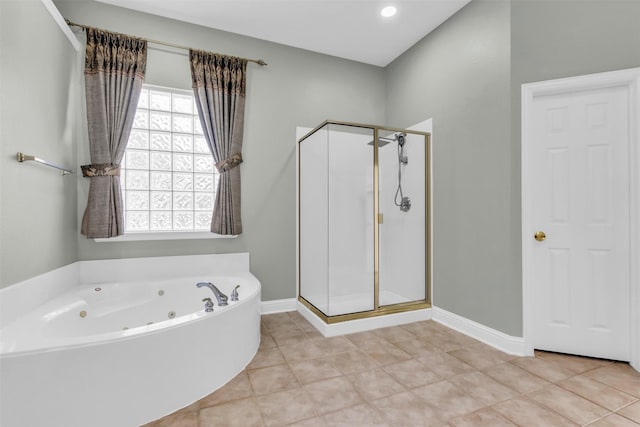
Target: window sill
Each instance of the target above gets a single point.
(167, 235)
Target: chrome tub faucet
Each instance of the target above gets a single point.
(220, 297)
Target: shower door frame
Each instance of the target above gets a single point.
(377, 309)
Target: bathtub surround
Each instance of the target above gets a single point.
(112, 87)
(219, 88)
(145, 371)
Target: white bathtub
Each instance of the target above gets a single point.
(125, 342)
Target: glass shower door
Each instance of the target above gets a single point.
(350, 219)
(336, 219)
(402, 163)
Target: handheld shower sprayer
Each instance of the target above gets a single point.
(405, 202)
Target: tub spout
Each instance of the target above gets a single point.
(222, 298)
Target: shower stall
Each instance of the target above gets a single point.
(363, 218)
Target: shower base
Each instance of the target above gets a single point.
(355, 303)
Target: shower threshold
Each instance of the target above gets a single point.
(354, 303)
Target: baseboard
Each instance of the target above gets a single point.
(503, 342)
(278, 306)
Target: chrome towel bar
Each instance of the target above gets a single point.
(25, 157)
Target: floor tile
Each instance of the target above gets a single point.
(359, 415)
(525, 412)
(448, 400)
(515, 378)
(422, 328)
(568, 404)
(385, 355)
(483, 388)
(296, 317)
(290, 338)
(302, 350)
(332, 394)
(444, 364)
(313, 334)
(416, 347)
(614, 420)
(352, 362)
(577, 364)
(620, 376)
(375, 384)
(277, 320)
(480, 356)
(239, 413)
(285, 407)
(267, 341)
(412, 373)
(311, 422)
(266, 357)
(419, 374)
(394, 334)
(335, 345)
(367, 340)
(177, 419)
(311, 370)
(543, 368)
(448, 341)
(485, 417)
(238, 388)
(407, 409)
(271, 379)
(597, 392)
(632, 412)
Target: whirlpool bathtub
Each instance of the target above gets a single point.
(125, 341)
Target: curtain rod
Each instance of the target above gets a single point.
(176, 46)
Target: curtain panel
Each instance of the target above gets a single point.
(219, 87)
(114, 72)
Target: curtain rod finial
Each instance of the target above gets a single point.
(261, 62)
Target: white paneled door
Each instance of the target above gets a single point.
(577, 178)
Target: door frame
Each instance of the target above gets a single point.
(629, 78)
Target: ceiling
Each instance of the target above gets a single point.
(351, 29)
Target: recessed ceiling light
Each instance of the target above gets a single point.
(388, 11)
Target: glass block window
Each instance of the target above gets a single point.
(168, 176)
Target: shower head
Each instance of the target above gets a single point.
(382, 141)
(401, 138)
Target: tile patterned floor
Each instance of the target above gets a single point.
(420, 374)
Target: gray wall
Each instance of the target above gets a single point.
(297, 88)
(467, 75)
(577, 38)
(38, 223)
(459, 76)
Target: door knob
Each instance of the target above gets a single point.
(539, 236)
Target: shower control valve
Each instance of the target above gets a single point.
(405, 204)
